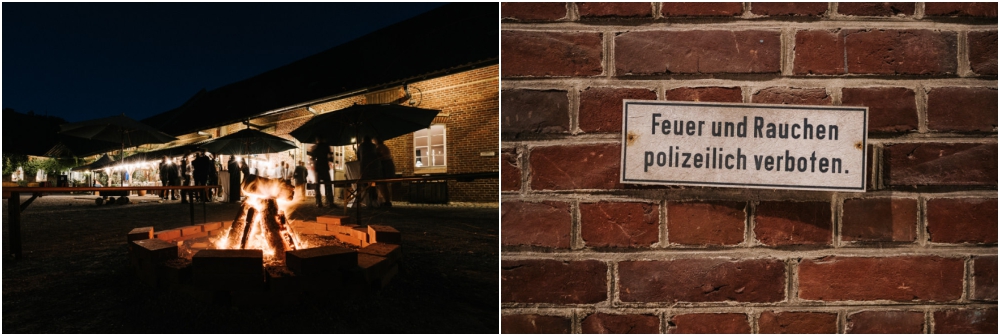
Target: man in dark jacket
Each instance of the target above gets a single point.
(234, 179)
(320, 155)
(201, 166)
(185, 170)
(165, 177)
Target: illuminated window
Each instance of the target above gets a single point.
(429, 147)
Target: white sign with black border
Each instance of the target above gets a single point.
(744, 145)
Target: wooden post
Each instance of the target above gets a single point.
(14, 223)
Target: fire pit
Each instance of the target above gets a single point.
(262, 254)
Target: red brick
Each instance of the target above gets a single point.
(706, 94)
(885, 322)
(793, 96)
(709, 324)
(601, 323)
(575, 167)
(985, 278)
(149, 256)
(962, 220)
(553, 281)
(983, 52)
(534, 324)
(793, 223)
(534, 111)
(533, 11)
(544, 224)
(374, 268)
(966, 321)
(510, 170)
(978, 9)
(388, 251)
(819, 52)
(702, 280)
(701, 8)
(321, 260)
(236, 270)
(706, 223)
(215, 226)
(879, 220)
(876, 8)
(789, 8)
(330, 219)
(589, 10)
(614, 224)
(940, 164)
(697, 52)
(382, 234)
(168, 235)
(550, 54)
(890, 109)
(904, 279)
(902, 52)
(601, 108)
(962, 109)
(797, 323)
(140, 233)
(190, 230)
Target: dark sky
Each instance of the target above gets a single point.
(84, 61)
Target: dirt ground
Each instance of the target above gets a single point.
(75, 275)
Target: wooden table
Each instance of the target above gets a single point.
(13, 196)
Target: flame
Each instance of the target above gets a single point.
(260, 192)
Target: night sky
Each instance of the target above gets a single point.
(85, 61)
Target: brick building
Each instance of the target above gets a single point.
(915, 253)
(445, 59)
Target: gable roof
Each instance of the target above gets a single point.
(451, 38)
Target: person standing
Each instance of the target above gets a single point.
(299, 179)
(174, 176)
(165, 177)
(388, 171)
(201, 166)
(320, 154)
(234, 179)
(371, 168)
(185, 172)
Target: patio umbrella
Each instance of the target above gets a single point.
(248, 141)
(382, 121)
(104, 161)
(117, 129)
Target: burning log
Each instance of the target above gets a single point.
(261, 217)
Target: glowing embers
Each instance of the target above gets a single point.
(262, 222)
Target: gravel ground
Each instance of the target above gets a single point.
(75, 275)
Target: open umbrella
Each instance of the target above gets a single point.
(104, 161)
(248, 141)
(382, 121)
(117, 129)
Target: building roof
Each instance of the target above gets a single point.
(29, 134)
(451, 38)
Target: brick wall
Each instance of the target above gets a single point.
(582, 252)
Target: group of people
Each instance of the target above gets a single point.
(376, 162)
(195, 168)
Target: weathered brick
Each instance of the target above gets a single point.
(374, 268)
(533, 11)
(709, 324)
(702, 280)
(230, 270)
(534, 324)
(902, 52)
(544, 224)
(789, 8)
(876, 8)
(601, 108)
(614, 224)
(382, 234)
(321, 260)
(575, 167)
(819, 52)
(706, 94)
(706, 223)
(983, 52)
(388, 251)
(214, 226)
(962, 109)
(966, 321)
(330, 219)
(589, 10)
(985, 278)
(140, 233)
(553, 281)
(904, 279)
(701, 9)
(890, 109)
(190, 230)
(510, 170)
(550, 54)
(885, 322)
(977, 9)
(601, 323)
(922, 164)
(167, 235)
(962, 220)
(794, 96)
(534, 111)
(797, 323)
(697, 52)
(793, 223)
(879, 220)
(149, 256)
